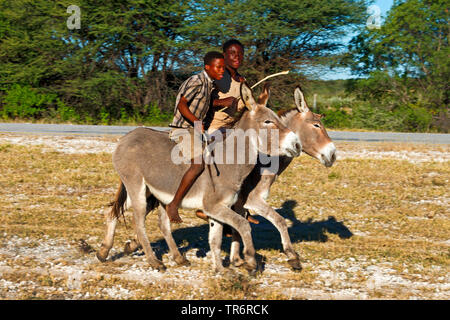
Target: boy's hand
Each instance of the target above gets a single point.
(232, 109)
(227, 102)
(199, 126)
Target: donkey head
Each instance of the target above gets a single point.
(273, 137)
(312, 133)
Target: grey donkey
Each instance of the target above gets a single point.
(315, 142)
(149, 178)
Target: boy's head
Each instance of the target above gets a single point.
(233, 52)
(214, 64)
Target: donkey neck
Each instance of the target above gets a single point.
(239, 151)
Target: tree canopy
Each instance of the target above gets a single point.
(128, 55)
(406, 61)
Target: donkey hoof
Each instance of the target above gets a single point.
(295, 264)
(130, 247)
(237, 262)
(252, 269)
(127, 249)
(159, 266)
(101, 256)
(182, 261)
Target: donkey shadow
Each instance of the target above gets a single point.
(264, 234)
(299, 231)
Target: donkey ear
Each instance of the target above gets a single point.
(265, 94)
(300, 101)
(247, 96)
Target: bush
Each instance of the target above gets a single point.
(403, 118)
(25, 102)
(374, 116)
(336, 112)
(414, 118)
(155, 115)
(66, 113)
(337, 118)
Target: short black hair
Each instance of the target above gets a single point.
(230, 43)
(211, 55)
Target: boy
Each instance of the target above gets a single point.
(191, 107)
(226, 94)
(227, 90)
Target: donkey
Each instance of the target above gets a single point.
(315, 142)
(149, 178)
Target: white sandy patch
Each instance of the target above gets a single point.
(360, 278)
(410, 156)
(71, 145)
(80, 145)
(343, 278)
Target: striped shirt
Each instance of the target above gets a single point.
(197, 91)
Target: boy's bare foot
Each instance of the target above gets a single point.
(172, 212)
(201, 215)
(252, 220)
(226, 228)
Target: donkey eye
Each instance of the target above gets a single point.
(268, 121)
(316, 125)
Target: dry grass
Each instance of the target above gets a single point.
(365, 229)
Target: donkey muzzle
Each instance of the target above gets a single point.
(291, 145)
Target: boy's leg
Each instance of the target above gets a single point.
(186, 182)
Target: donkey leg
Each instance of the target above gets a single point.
(225, 215)
(138, 200)
(133, 245)
(164, 226)
(235, 257)
(108, 241)
(215, 243)
(266, 211)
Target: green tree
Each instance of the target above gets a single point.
(122, 57)
(129, 56)
(407, 59)
(278, 35)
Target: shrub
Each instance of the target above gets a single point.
(66, 113)
(402, 118)
(25, 102)
(414, 118)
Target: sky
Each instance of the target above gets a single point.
(342, 73)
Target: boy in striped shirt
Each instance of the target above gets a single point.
(192, 104)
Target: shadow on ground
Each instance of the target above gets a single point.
(265, 235)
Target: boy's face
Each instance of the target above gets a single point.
(216, 69)
(234, 55)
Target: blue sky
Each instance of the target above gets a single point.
(384, 6)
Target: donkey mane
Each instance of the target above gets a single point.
(286, 114)
(237, 117)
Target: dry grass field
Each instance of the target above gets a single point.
(376, 225)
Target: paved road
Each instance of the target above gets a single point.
(91, 130)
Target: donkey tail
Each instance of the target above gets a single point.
(118, 204)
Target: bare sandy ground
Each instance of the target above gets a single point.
(77, 144)
(330, 273)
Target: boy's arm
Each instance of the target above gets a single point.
(185, 112)
(225, 102)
